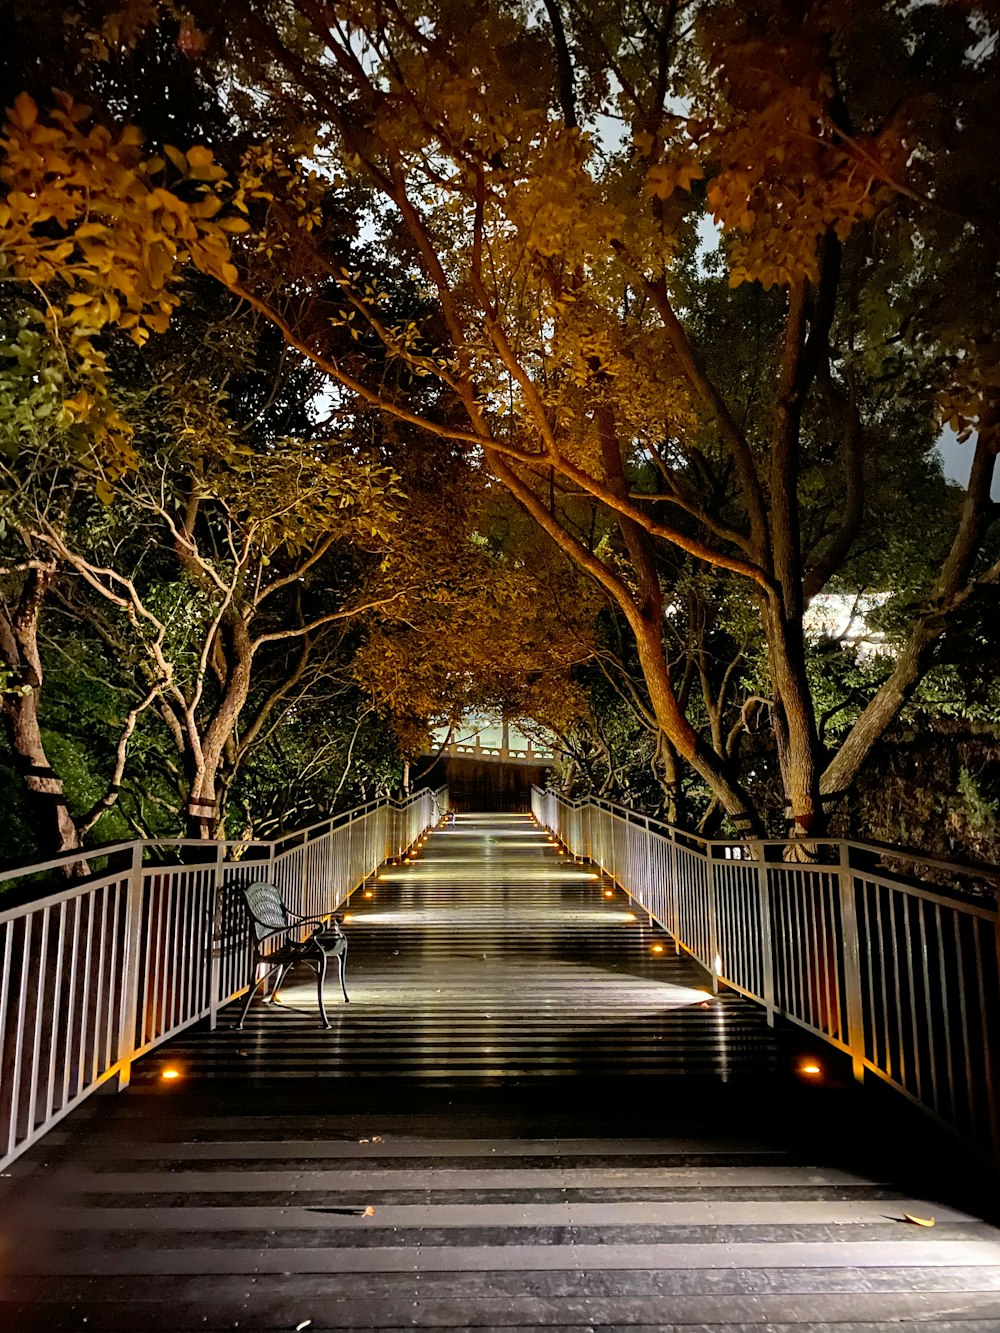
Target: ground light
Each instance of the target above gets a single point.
(656, 948)
(609, 893)
(170, 1073)
(810, 1068)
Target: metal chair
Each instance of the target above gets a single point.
(270, 918)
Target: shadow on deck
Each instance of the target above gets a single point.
(554, 1123)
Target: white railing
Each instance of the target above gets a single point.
(901, 976)
(96, 975)
(504, 754)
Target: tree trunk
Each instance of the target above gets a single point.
(794, 722)
(204, 817)
(43, 787)
(914, 658)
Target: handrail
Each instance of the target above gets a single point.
(991, 874)
(84, 854)
(97, 974)
(903, 979)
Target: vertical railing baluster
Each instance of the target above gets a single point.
(714, 961)
(130, 967)
(216, 940)
(766, 952)
(852, 964)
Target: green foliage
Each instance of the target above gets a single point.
(982, 802)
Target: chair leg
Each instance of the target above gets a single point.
(342, 973)
(253, 991)
(280, 975)
(320, 966)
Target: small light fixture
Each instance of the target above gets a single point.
(369, 893)
(609, 893)
(656, 948)
(170, 1073)
(348, 916)
(810, 1068)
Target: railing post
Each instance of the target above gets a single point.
(675, 892)
(992, 1082)
(215, 938)
(305, 870)
(713, 918)
(130, 969)
(852, 964)
(766, 945)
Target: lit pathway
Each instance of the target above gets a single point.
(493, 956)
(554, 1125)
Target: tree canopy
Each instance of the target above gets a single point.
(692, 288)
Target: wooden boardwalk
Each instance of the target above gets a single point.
(553, 1123)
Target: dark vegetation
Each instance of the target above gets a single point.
(355, 395)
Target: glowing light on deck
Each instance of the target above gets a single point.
(170, 1073)
(509, 874)
(456, 917)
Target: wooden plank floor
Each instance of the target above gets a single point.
(555, 1127)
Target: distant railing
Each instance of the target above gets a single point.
(900, 976)
(501, 754)
(96, 975)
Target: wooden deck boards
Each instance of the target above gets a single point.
(554, 1126)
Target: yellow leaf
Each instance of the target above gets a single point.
(660, 181)
(691, 171)
(919, 1221)
(176, 157)
(25, 111)
(234, 224)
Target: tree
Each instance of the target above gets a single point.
(565, 321)
(217, 563)
(557, 261)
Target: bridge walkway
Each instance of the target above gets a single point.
(531, 1115)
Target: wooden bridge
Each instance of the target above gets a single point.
(534, 1113)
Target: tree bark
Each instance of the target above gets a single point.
(949, 590)
(204, 818)
(43, 787)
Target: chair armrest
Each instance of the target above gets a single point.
(282, 930)
(308, 920)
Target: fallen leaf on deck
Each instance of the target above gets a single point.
(919, 1221)
(305, 1324)
(359, 1210)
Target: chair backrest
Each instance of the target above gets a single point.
(267, 911)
